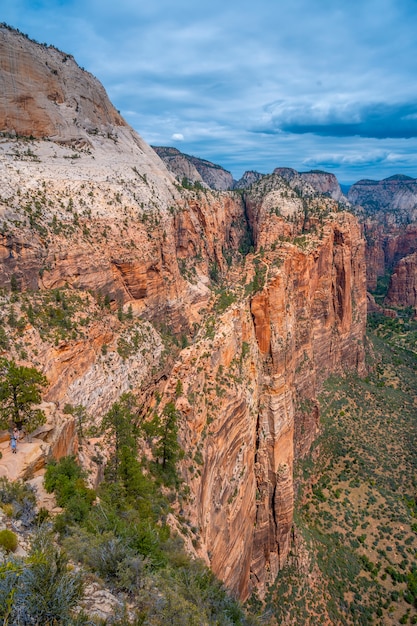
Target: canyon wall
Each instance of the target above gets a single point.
(389, 212)
(250, 402)
(249, 301)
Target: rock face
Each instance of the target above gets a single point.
(396, 196)
(70, 105)
(248, 179)
(180, 165)
(249, 301)
(321, 182)
(390, 208)
(402, 289)
(194, 169)
(324, 182)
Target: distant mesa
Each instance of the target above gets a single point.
(203, 172)
(399, 177)
(323, 182)
(398, 192)
(195, 170)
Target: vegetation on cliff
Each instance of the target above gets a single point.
(353, 560)
(119, 534)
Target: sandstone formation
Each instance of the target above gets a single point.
(70, 106)
(195, 170)
(249, 301)
(402, 289)
(321, 182)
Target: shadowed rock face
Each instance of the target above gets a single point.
(111, 220)
(402, 289)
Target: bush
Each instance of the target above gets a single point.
(67, 480)
(18, 500)
(8, 540)
(39, 589)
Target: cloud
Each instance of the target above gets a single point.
(355, 158)
(343, 119)
(177, 137)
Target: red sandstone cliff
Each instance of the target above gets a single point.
(268, 291)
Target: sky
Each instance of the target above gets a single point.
(308, 84)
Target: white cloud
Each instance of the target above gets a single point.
(177, 137)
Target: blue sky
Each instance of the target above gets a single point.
(308, 84)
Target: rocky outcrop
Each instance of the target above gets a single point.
(47, 94)
(374, 307)
(321, 182)
(180, 165)
(56, 438)
(248, 179)
(402, 291)
(195, 170)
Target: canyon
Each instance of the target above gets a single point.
(250, 299)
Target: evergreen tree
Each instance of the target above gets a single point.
(20, 389)
(120, 425)
(167, 448)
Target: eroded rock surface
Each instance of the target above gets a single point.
(249, 301)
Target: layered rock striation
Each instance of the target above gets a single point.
(46, 94)
(321, 182)
(249, 300)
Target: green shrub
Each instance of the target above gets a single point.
(40, 589)
(67, 480)
(18, 500)
(8, 540)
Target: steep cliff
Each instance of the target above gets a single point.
(321, 182)
(71, 104)
(194, 169)
(249, 301)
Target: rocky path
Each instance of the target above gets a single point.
(28, 455)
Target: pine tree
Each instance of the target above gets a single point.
(119, 423)
(20, 389)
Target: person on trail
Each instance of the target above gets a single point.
(16, 434)
(13, 443)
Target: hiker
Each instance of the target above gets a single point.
(13, 443)
(16, 433)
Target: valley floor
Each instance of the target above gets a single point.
(355, 547)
